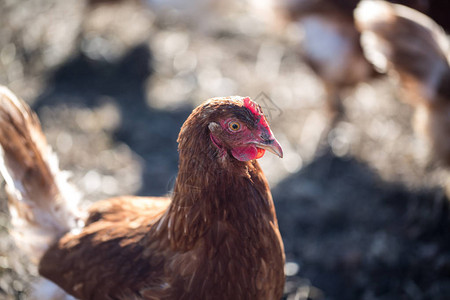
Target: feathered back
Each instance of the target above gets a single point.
(41, 202)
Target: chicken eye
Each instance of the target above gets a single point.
(234, 126)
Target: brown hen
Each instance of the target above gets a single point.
(329, 41)
(413, 50)
(216, 237)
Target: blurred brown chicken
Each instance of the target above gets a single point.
(413, 49)
(216, 238)
(331, 47)
(329, 40)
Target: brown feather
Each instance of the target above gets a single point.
(217, 238)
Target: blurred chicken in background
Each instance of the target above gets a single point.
(330, 46)
(329, 40)
(414, 50)
(329, 43)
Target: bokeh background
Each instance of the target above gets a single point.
(363, 213)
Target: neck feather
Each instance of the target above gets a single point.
(211, 188)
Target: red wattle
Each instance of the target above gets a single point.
(247, 153)
(260, 153)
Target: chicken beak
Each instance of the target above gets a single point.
(264, 139)
(270, 145)
(267, 141)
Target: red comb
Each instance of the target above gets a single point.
(256, 111)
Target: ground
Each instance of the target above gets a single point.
(362, 212)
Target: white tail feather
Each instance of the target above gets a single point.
(43, 205)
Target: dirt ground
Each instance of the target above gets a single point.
(362, 212)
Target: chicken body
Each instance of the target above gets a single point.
(330, 45)
(413, 50)
(216, 238)
(330, 42)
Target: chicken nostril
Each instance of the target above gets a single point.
(265, 136)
